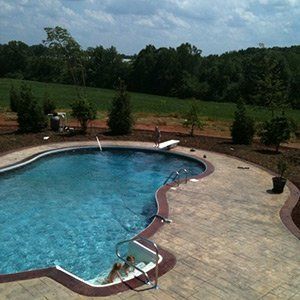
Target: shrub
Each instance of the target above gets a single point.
(282, 167)
(120, 120)
(276, 131)
(242, 128)
(14, 99)
(30, 114)
(48, 105)
(192, 119)
(84, 112)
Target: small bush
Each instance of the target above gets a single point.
(192, 119)
(30, 114)
(84, 112)
(242, 128)
(282, 167)
(48, 105)
(14, 99)
(120, 120)
(276, 131)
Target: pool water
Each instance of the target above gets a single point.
(71, 208)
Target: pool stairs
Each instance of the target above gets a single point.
(137, 248)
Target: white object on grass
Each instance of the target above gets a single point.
(46, 137)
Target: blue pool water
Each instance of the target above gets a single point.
(70, 209)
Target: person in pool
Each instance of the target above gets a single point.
(127, 266)
(114, 273)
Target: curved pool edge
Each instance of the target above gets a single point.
(80, 286)
(287, 209)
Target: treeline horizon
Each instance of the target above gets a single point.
(259, 76)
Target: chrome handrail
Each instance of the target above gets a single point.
(186, 172)
(148, 281)
(176, 175)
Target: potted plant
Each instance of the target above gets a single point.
(279, 181)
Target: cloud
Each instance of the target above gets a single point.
(5, 7)
(99, 15)
(213, 26)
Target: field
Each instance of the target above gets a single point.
(64, 95)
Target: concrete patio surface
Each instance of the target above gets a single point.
(226, 234)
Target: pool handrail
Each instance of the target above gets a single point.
(137, 238)
(176, 175)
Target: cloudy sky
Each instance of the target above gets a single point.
(214, 26)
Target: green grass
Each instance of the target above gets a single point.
(64, 95)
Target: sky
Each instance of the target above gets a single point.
(214, 26)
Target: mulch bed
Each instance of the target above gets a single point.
(10, 140)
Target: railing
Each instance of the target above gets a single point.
(175, 176)
(139, 238)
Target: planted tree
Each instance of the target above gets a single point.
(276, 131)
(48, 105)
(279, 181)
(14, 99)
(242, 128)
(84, 112)
(30, 114)
(192, 119)
(120, 120)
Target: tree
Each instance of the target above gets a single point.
(276, 131)
(193, 119)
(105, 67)
(120, 120)
(69, 51)
(30, 114)
(267, 80)
(13, 59)
(189, 86)
(84, 112)
(143, 72)
(242, 129)
(14, 99)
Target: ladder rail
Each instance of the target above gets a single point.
(173, 174)
(176, 175)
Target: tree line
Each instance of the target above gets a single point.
(261, 76)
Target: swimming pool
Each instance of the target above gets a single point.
(71, 208)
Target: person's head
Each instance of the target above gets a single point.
(156, 128)
(117, 267)
(130, 258)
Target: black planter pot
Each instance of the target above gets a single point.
(278, 184)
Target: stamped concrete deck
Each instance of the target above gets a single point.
(226, 234)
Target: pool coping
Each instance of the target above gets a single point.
(80, 287)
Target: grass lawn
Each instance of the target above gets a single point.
(63, 95)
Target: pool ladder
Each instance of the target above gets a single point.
(175, 176)
(139, 238)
